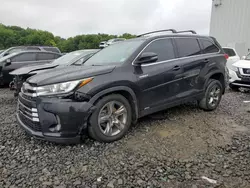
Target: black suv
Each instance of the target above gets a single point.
(121, 83)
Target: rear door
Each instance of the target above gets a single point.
(159, 82)
(192, 63)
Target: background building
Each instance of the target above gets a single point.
(230, 24)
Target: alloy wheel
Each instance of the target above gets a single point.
(214, 95)
(112, 118)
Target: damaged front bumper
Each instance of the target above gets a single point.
(53, 119)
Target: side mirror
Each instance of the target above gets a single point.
(147, 57)
(243, 57)
(8, 62)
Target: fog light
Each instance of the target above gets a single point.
(56, 128)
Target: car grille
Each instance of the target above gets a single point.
(27, 112)
(246, 71)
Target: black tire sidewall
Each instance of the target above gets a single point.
(211, 84)
(94, 128)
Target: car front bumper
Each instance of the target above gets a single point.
(52, 119)
(237, 79)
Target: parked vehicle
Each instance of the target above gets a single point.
(239, 74)
(20, 59)
(233, 56)
(121, 83)
(113, 41)
(29, 48)
(76, 57)
(102, 44)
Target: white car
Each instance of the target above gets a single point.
(233, 57)
(239, 74)
(102, 44)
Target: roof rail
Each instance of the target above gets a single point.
(187, 31)
(173, 31)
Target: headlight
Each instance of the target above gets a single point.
(61, 88)
(234, 68)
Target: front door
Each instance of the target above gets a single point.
(159, 82)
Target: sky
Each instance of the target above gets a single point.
(68, 18)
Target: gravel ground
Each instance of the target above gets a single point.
(172, 152)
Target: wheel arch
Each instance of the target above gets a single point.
(126, 92)
(217, 76)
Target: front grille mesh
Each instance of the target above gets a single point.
(28, 114)
(35, 126)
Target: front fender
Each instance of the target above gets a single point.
(117, 89)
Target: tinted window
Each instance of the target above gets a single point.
(229, 52)
(45, 56)
(52, 50)
(209, 47)
(163, 48)
(188, 47)
(24, 57)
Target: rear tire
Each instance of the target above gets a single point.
(212, 96)
(234, 88)
(111, 119)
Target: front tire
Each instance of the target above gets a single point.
(111, 119)
(212, 96)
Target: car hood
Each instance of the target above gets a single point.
(242, 64)
(31, 68)
(63, 74)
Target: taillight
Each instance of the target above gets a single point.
(226, 56)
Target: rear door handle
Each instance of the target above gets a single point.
(176, 68)
(206, 61)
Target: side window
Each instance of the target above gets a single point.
(188, 47)
(163, 48)
(229, 52)
(52, 50)
(24, 57)
(45, 56)
(209, 47)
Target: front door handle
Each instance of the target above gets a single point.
(176, 68)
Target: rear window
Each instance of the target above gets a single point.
(188, 47)
(209, 47)
(230, 52)
(56, 50)
(24, 57)
(45, 56)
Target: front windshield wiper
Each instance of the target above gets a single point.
(93, 65)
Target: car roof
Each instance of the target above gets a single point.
(155, 36)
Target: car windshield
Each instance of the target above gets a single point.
(117, 53)
(247, 57)
(73, 56)
(8, 56)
